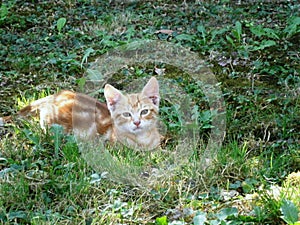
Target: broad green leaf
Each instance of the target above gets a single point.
(248, 185)
(214, 222)
(229, 39)
(238, 30)
(257, 30)
(17, 215)
(81, 82)
(32, 137)
(293, 27)
(264, 44)
(261, 31)
(61, 23)
(3, 12)
(215, 33)
(271, 33)
(200, 218)
(185, 37)
(289, 212)
(237, 184)
(161, 221)
(226, 212)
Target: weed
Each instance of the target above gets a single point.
(60, 24)
(253, 49)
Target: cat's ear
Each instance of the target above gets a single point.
(112, 96)
(151, 90)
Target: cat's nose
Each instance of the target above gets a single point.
(137, 122)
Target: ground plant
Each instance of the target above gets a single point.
(252, 50)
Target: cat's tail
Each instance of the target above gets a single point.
(33, 108)
(29, 110)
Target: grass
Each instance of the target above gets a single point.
(253, 178)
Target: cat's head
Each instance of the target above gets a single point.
(134, 113)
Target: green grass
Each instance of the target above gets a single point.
(49, 178)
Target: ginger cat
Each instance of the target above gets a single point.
(129, 119)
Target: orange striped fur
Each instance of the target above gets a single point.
(130, 119)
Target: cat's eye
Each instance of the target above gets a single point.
(126, 114)
(144, 112)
